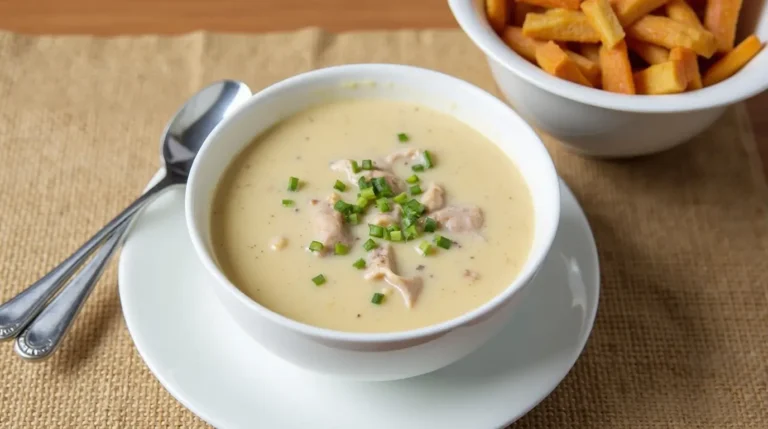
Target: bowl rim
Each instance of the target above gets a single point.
(365, 71)
(482, 35)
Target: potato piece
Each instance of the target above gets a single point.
(522, 9)
(556, 62)
(496, 10)
(561, 25)
(616, 70)
(604, 21)
(664, 78)
(629, 11)
(550, 4)
(663, 31)
(680, 11)
(652, 54)
(587, 67)
(720, 17)
(733, 61)
(690, 64)
(590, 51)
(523, 45)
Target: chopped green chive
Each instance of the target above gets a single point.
(408, 221)
(415, 190)
(293, 184)
(363, 184)
(355, 167)
(396, 236)
(341, 249)
(417, 168)
(428, 160)
(413, 179)
(403, 137)
(393, 227)
(287, 203)
(411, 232)
(353, 219)
(362, 202)
(425, 248)
(368, 164)
(318, 280)
(443, 242)
(315, 246)
(381, 187)
(386, 235)
(377, 298)
(415, 207)
(383, 205)
(340, 186)
(430, 225)
(357, 209)
(401, 198)
(375, 231)
(370, 245)
(341, 206)
(359, 264)
(368, 193)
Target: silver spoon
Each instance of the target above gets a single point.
(183, 137)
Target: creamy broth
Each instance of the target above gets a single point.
(249, 220)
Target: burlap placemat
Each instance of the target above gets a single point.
(681, 339)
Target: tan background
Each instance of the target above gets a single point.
(113, 17)
(680, 339)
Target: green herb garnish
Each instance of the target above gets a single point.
(318, 280)
(403, 137)
(443, 242)
(340, 186)
(293, 184)
(368, 164)
(341, 249)
(287, 203)
(430, 225)
(377, 298)
(359, 264)
(370, 245)
(315, 246)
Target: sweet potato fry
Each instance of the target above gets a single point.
(652, 54)
(664, 78)
(496, 11)
(522, 9)
(590, 51)
(720, 17)
(553, 60)
(616, 70)
(732, 61)
(561, 25)
(663, 31)
(690, 64)
(549, 4)
(604, 21)
(629, 11)
(680, 11)
(587, 67)
(523, 45)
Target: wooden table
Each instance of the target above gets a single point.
(110, 17)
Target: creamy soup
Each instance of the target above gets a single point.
(447, 223)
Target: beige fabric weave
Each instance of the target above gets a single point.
(681, 339)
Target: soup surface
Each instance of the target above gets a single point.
(472, 194)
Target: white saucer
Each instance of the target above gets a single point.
(200, 355)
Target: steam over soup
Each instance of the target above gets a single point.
(371, 216)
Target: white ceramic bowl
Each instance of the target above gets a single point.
(600, 123)
(384, 356)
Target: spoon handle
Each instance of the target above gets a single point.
(19, 311)
(44, 334)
